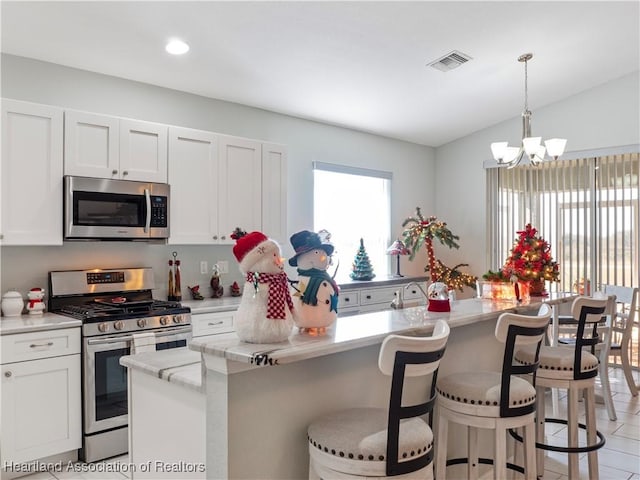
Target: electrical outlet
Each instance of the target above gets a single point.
(223, 266)
(204, 267)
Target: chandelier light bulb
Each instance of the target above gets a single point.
(555, 147)
(531, 145)
(498, 149)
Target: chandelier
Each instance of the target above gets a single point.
(531, 146)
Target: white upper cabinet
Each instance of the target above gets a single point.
(274, 192)
(31, 174)
(239, 185)
(143, 151)
(102, 146)
(193, 176)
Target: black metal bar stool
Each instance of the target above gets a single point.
(574, 369)
(499, 401)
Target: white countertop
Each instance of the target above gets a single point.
(36, 323)
(361, 330)
(176, 365)
(212, 305)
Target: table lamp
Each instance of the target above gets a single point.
(398, 248)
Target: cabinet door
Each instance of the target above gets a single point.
(40, 408)
(31, 174)
(91, 144)
(274, 192)
(239, 186)
(193, 167)
(143, 151)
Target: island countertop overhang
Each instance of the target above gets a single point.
(363, 330)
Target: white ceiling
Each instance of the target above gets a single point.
(355, 64)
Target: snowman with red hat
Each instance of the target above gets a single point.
(265, 311)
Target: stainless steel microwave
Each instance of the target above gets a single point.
(105, 209)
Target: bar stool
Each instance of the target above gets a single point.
(383, 442)
(494, 400)
(573, 369)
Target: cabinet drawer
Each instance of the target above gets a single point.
(34, 345)
(379, 295)
(211, 323)
(413, 293)
(347, 299)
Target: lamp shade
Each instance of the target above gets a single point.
(398, 248)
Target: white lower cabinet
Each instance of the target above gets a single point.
(367, 297)
(41, 399)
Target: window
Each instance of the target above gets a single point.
(586, 208)
(353, 203)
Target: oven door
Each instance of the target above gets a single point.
(105, 380)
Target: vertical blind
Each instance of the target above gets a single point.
(586, 208)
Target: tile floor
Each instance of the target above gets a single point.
(619, 459)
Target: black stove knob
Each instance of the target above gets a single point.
(142, 322)
(118, 325)
(103, 327)
(178, 319)
(164, 320)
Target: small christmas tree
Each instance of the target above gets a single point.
(530, 258)
(361, 268)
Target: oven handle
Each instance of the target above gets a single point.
(147, 223)
(129, 338)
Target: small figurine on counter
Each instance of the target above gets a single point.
(195, 292)
(217, 289)
(35, 305)
(235, 290)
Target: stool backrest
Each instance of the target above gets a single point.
(588, 312)
(515, 330)
(403, 356)
(622, 320)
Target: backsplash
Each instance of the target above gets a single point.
(23, 268)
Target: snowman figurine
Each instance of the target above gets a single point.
(35, 304)
(315, 298)
(265, 311)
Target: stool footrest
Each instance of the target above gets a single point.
(483, 461)
(553, 448)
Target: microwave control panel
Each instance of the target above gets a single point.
(159, 212)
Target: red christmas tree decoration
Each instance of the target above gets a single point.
(530, 258)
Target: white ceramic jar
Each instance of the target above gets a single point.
(12, 304)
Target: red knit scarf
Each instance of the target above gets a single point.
(278, 292)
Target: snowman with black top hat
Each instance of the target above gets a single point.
(315, 296)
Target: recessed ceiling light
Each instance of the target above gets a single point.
(176, 47)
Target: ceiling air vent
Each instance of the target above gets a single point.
(450, 61)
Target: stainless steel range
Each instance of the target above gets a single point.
(117, 309)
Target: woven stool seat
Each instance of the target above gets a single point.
(361, 434)
(478, 393)
(558, 362)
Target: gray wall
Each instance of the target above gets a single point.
(413, 167)
(605, 116)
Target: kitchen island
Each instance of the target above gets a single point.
(261, 398)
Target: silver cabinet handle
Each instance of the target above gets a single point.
(224, 237)
(125, 173)
(215, 237)
(8, 374)
(213, 324)
(36, 345)
(114, 172)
